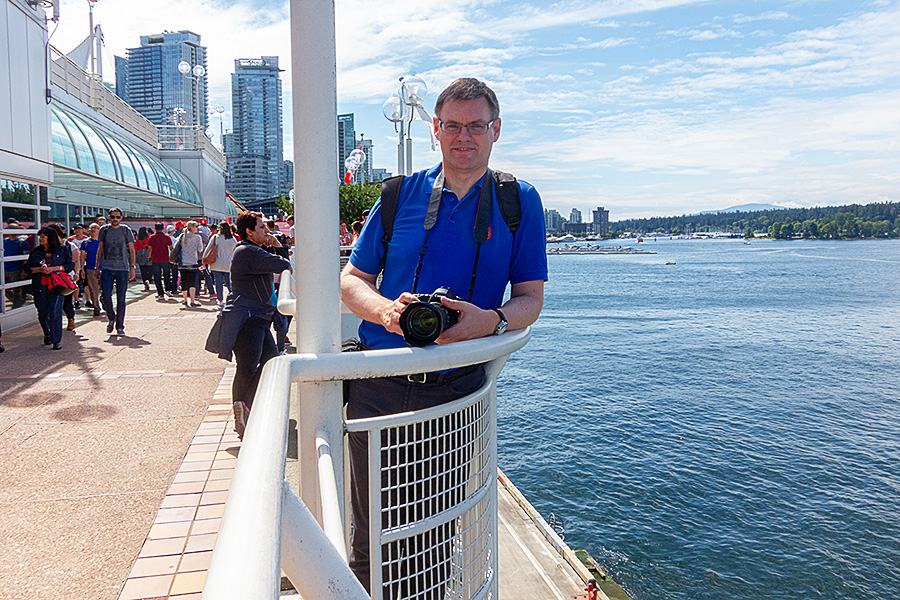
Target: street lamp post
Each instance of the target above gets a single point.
(402, 109)
(194, 74)
(217, 113)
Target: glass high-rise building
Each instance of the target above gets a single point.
(255, 152)
(346, 141)
(149, 79)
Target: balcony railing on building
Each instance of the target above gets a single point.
(188, 137)
(88, 89)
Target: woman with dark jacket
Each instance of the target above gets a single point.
(247, 315)
(49, 256)
(143, 258)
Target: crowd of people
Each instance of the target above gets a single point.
(105, 256)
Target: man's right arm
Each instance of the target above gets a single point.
(359, 293)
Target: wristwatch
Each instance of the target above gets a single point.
(503, 324)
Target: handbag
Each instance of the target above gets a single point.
(60, 283)
(175, 252)
(209, 257)
(142, 256)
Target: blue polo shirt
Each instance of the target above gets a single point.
(450, 257)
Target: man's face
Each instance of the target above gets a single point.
(94, 230)
(115, 218)
(465, 153)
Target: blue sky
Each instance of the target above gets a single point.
(645, 107)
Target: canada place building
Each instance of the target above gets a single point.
(255, 151)
(149, 79)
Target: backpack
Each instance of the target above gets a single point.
(507, 198)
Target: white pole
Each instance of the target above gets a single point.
(316, 217)
(409, 167)
(91, 22)
(400, 170)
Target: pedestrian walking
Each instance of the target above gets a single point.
(50, 256)
(189, 263)
(142, 253)
(220, 249)
(69, 300)
(117, 253)
(79, 236)
(92, 269)
(163, 271)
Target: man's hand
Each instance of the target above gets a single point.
(390, 314)
(473, 322)
(131, 273)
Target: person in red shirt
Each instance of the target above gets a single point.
(160, 245)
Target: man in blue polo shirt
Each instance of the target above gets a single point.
(467, 124)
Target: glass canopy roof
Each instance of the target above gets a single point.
(91, 150)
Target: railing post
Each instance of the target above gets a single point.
(316, 210)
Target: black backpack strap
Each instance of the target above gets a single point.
(508, 199)
(483, 213)
(390, 194)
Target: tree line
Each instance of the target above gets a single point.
(353, 198)
(853, 221)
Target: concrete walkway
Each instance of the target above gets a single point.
(91, 439)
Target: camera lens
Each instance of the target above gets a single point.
(421, 323)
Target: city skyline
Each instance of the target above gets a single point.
(648, 108)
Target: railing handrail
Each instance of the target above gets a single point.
(250, 537)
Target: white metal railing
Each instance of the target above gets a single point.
(432, 511)
(436, 530)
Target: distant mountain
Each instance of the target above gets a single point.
(745, 208)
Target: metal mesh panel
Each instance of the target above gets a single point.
(436, 484)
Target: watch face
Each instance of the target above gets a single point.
(501, 327)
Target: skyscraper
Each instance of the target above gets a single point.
(346, 141)
(575, 216)
(601, 221)
(149, 80)
(256, 149)
(366, 170)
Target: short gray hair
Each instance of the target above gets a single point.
(468, 88)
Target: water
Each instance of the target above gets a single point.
(727, 427)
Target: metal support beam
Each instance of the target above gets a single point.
(316, 216)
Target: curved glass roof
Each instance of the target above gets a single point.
(88, 148)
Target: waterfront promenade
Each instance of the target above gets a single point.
(109, 444)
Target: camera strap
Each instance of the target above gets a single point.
(482, 223)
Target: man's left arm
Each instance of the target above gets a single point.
(521, 310)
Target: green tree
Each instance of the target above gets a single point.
(355, 198)
(284, 203)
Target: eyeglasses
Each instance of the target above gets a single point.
(115, 216)
(476, 128)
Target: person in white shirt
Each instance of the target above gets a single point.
(224, 242)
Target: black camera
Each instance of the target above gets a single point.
(423, 321)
